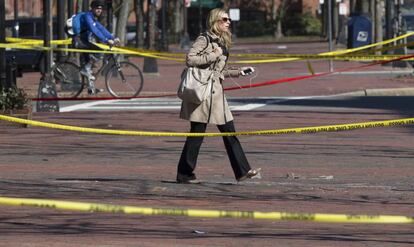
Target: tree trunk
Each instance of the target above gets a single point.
(122, 20)
(364, 6)
(325, 20)
(79, 5)
(372, 12)
(278, 14)
(151, 27)
(378, 23)
(139, 21)
(178, 17)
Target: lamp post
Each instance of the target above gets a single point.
(185, 39)
(2, 40)
(47, 88)
(61, 24)
(330, 32)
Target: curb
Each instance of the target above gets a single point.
(381, 92)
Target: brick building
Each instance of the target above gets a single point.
(27, 8)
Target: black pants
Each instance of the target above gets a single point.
(189, 155)
(85, 58)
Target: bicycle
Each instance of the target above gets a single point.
(122, 78)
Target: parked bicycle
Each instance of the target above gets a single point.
(122, 78)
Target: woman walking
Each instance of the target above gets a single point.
(210, 51)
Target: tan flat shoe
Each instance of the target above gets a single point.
(250, 174)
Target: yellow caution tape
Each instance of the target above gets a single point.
(126, 51)
(335, 55)
(38, 41)
(279, 57)
(108, 208)
(304, 130)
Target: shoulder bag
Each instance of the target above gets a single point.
(196, 83)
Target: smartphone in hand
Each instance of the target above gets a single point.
(247, 71)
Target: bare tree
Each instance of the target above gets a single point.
(279, 8)
(178, 18)
(151, 24)
(139, 22)
(122, 19)
(378, 22)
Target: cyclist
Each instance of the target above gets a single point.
(89, 30)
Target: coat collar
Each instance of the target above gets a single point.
(213, 36)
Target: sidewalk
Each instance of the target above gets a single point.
(365, 80)
(366, 171)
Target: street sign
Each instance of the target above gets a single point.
(187, 3)
(234, 14)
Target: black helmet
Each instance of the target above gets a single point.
(97, 3)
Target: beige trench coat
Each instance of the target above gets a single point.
(214, 109)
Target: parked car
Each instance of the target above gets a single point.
(31, 28)
(408, 25)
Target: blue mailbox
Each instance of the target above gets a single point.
(359, 31)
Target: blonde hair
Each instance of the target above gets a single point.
(213, 19)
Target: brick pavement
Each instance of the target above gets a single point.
(365, 171)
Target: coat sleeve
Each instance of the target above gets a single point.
(104, 31)
(231, 72)
(199, 55)
(95, 28)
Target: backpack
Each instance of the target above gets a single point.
(73, 24)
(69, 26)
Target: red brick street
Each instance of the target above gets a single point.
(364, 171)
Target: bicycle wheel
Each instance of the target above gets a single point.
(125, 82)
(68, 80)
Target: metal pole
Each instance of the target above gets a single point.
(110, 16)
(389, 6)
(16, 16)
(330, 32)
(3, 82)
(47, 27)
(71, 10)
(164, 25)
(47, 88)
(61, 24)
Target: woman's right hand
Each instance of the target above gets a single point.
(217, 50)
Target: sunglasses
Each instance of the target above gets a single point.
(225, 19)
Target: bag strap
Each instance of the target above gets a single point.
(205, 35)
(208, 38)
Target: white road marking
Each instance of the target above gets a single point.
(135, 107)
(84, 105)
(168, 104)
(246, 107)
